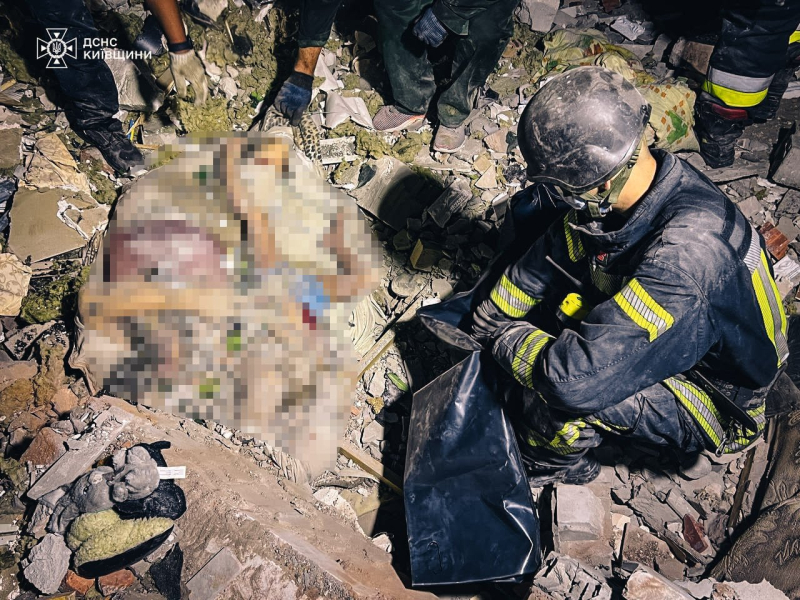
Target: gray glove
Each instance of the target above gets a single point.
(188, 67)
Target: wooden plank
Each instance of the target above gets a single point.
(372, 466)
(377, 350)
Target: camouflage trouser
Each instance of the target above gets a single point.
(411, 73)
(675, 413)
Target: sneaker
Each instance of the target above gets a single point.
(389, 118)
(449, 139)
(578, 471)
(117, 149)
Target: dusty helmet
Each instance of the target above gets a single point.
(582, 128)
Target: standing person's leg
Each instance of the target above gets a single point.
(87, 83)
(751, 49)
(406, 59)
(476, 56)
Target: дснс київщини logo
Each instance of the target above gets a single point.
(56, 48)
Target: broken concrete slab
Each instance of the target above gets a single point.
(565, 577)
(646, 584)
(393, 193)
(487, 181)
(52, 166)
(785, 169)
(537, 14)
(640, 547)
(215, 576)
(47, 563)
(19, 343)
(36, 231)
(107, 426)
(691, 55)
(15, 277)
(450, 202)
(578, 514)
(10, 140)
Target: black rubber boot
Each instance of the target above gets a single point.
(770, 105)
(117, 149)
(717, 128)
(545, 467)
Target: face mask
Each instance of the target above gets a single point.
(599, 203)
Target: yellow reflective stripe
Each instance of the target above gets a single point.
(794, 38)
(563, 440)
(512, 300)
(522, 365)
(643, 310)
(771, 308)
(700, 406)
(734, 98)
(574, 244)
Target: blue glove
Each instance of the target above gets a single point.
(430, 30)
(294, 96)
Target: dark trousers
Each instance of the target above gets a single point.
(411, 73)
(86, 83)
(751, 49)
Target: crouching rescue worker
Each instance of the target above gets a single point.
(648, 312)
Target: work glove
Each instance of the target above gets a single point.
(430, 30)
(487, 321)
(187, 67)
(294, 96)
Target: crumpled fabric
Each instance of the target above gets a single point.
(15, 277)
(672, 118)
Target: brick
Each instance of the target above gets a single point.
(75, 582)
(115, 582)
(777, 243)
(694, 534)
(425, 255)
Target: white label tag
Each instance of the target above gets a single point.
(172, 472)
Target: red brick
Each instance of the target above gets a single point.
(76, 583)
(694, 534)
(115, 582)
(777, 243)
(609, 5)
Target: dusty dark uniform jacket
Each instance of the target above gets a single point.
(684, 279)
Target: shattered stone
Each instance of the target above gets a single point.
(750, 207)
(566, 577)
(10, 140)
(425, 255)
(402, 240)
(688, 54)
(52, 166)
(451, 201)
(579, 513)
(372, 434)
(47, 563)
(498, 141)
(36, 231)
(646, 584)
(655, 513)
(787, 228)
(215, 576)
(537, 14)
(407, 284)
(76, 583)
(790, 203)
(46, 448)
(108, 425)
(678, 503)
(786, 165)
(487, 181)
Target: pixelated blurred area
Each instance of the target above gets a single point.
(223, 291)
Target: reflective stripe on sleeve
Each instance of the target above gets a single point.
(643, 310)
(512, 300)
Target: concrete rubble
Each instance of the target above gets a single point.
(253, 528)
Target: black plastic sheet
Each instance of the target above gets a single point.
(469, 511)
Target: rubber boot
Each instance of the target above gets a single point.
(717, 128)
(117, 149)
(769, 106)
(545, 466)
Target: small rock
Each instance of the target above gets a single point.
(407, 284)
(115, 582)
(579, 513)
(228, 87)
(425, 255)
(64, 401)
(694, 534)
(699, 467)
(787, 228)
(536, 14)
(372, 434)
(749, 207)
(487, 181)
(402, 240)
(786, 166)
(646, 584)
(47, 564)
(498, 141)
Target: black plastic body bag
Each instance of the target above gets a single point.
(469, 511)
